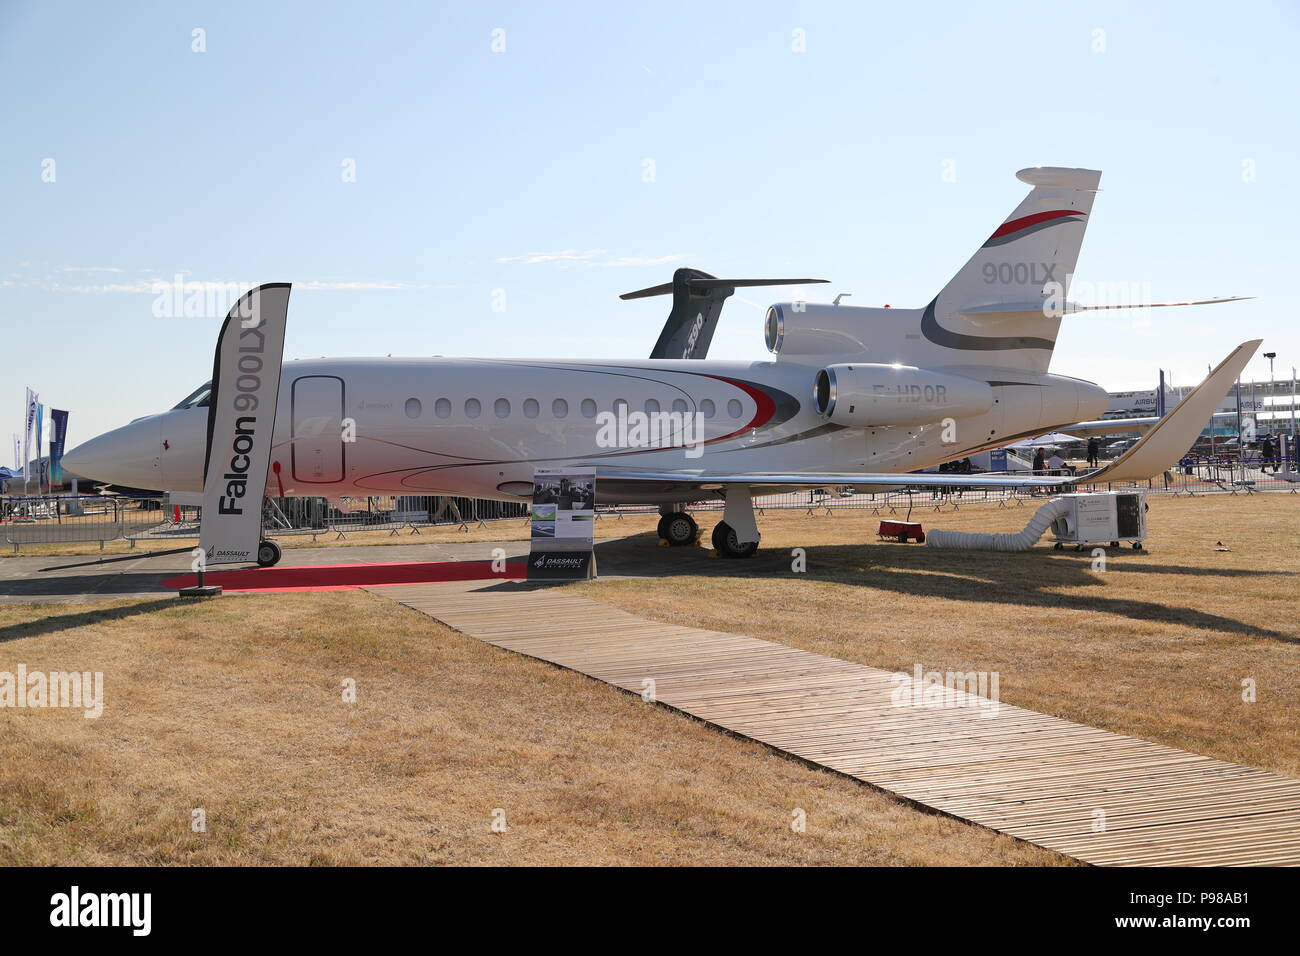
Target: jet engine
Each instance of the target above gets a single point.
(862, 394)
(806, 328)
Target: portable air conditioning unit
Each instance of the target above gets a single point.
(1102, 518)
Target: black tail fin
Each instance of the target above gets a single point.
(697, 303)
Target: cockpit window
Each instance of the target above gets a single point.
(201, 397)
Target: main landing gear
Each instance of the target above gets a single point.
(678, 529)
(727, 545)
(268, 554)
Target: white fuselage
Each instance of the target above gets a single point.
(478, 427)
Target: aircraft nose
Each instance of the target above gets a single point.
(126, 456)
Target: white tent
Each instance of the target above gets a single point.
(1047, 441)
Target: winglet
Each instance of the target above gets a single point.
(1164, 444)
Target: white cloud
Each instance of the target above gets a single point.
(588, 258)
(568, 255)
(350, 286)
(156, 286)
(641, 260)
(90, 269)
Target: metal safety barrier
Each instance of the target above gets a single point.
(102, 518)
(77, 518)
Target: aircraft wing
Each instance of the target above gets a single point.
(1111, 426)
(669, 482)
(1161, 447)
(1157, 450)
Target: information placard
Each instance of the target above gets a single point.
(563, 524)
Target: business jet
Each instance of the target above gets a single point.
(852, 396)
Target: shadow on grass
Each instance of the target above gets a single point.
(64, 622)
(1022, 580)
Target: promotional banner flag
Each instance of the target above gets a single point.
(241, 416)
(27, 435)
(40, 441)
(59, 435)
(563, 524)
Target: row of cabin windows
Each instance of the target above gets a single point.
(560, 408)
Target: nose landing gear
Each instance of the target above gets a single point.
(268, 554)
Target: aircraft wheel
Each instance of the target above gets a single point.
(678, 529)
(1137, 545)
(268, 554)
(1059, 546)
(1114, 544)
(725, 543)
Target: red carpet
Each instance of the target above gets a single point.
(343, 577)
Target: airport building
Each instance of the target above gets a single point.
(1266, 407)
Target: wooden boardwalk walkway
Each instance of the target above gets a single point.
(1099, 797)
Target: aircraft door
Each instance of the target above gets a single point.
(318, 454)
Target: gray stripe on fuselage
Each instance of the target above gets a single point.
(937, 334)
(827, 429)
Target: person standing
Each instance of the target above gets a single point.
(1040, 462)
(1094, 452)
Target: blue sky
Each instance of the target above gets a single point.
(524, 171)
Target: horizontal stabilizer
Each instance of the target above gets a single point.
(700, 286)
(1022, 310)
(1073, 307)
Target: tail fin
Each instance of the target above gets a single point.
(993, 308)
(697, 303)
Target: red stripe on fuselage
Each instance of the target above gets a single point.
(1015, 225)
(765, 409)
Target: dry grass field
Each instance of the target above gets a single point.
(1156, 646)
(235, 706)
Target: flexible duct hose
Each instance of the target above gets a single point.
(1017, 541)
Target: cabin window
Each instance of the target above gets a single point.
(706, 408)
(588, 408)
(413, 408)
(734, 408)
(442, 408)
(560, 408)
(472, 407)
(531, 408)
(680, 406)
(502, 408)
(651, 407)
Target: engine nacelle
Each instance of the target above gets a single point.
(808, 328)
(861, 394)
